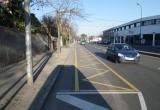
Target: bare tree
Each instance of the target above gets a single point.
(64, 9)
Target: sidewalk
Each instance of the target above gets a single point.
(14, 76)
(32, 98)
(149, 50)
(155, 49)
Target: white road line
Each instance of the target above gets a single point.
(140, 96)
(79, 103)
(142, 101)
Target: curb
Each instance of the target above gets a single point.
(42, 96)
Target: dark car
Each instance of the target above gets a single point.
(122, 53)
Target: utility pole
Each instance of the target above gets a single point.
(28, 42)
(141, 36)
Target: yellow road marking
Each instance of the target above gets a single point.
(89, 65)
(76, 72)
(107, 91)
(115, 73)
(93, 76)
(109, 85)
(92, 68)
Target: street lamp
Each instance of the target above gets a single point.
(140, 22)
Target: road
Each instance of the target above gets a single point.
(88, 81)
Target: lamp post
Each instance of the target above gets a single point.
(141, 37)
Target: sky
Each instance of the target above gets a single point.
(104, 14)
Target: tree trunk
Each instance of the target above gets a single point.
(28, 42)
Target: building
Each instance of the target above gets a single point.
(145, 31)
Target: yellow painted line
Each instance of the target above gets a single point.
(109, 85)
(92, 68)
(76, 72)
(115, 73)
(89, 65)
(93, 76)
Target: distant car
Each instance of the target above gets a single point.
(83, 43)
(122, 53)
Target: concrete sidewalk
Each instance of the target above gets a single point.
(14, 77)
(32, 98)
(149, 50)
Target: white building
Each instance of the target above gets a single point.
(144, 31)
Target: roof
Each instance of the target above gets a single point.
(135, 21)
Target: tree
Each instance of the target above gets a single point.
(28, 40)
(49, 24)
(65, 9)
(11, 14)
(83, 37)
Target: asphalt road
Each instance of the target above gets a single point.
(88, 81)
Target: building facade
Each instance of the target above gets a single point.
(145, 31)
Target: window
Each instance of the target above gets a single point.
(117, 29)
(157, 21)
(128, 27)
(137, 24)
(132, 26)
(120, 28)
(148, 22)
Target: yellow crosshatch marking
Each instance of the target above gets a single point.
(89, 65)
(93, 76)
(116, 88)
(109, 85)
(92, 68)
(115, 73)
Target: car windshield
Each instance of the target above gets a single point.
(123, 47)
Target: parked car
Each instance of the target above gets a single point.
(122, 53)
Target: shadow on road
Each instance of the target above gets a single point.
(64, 84)
(103, 56)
